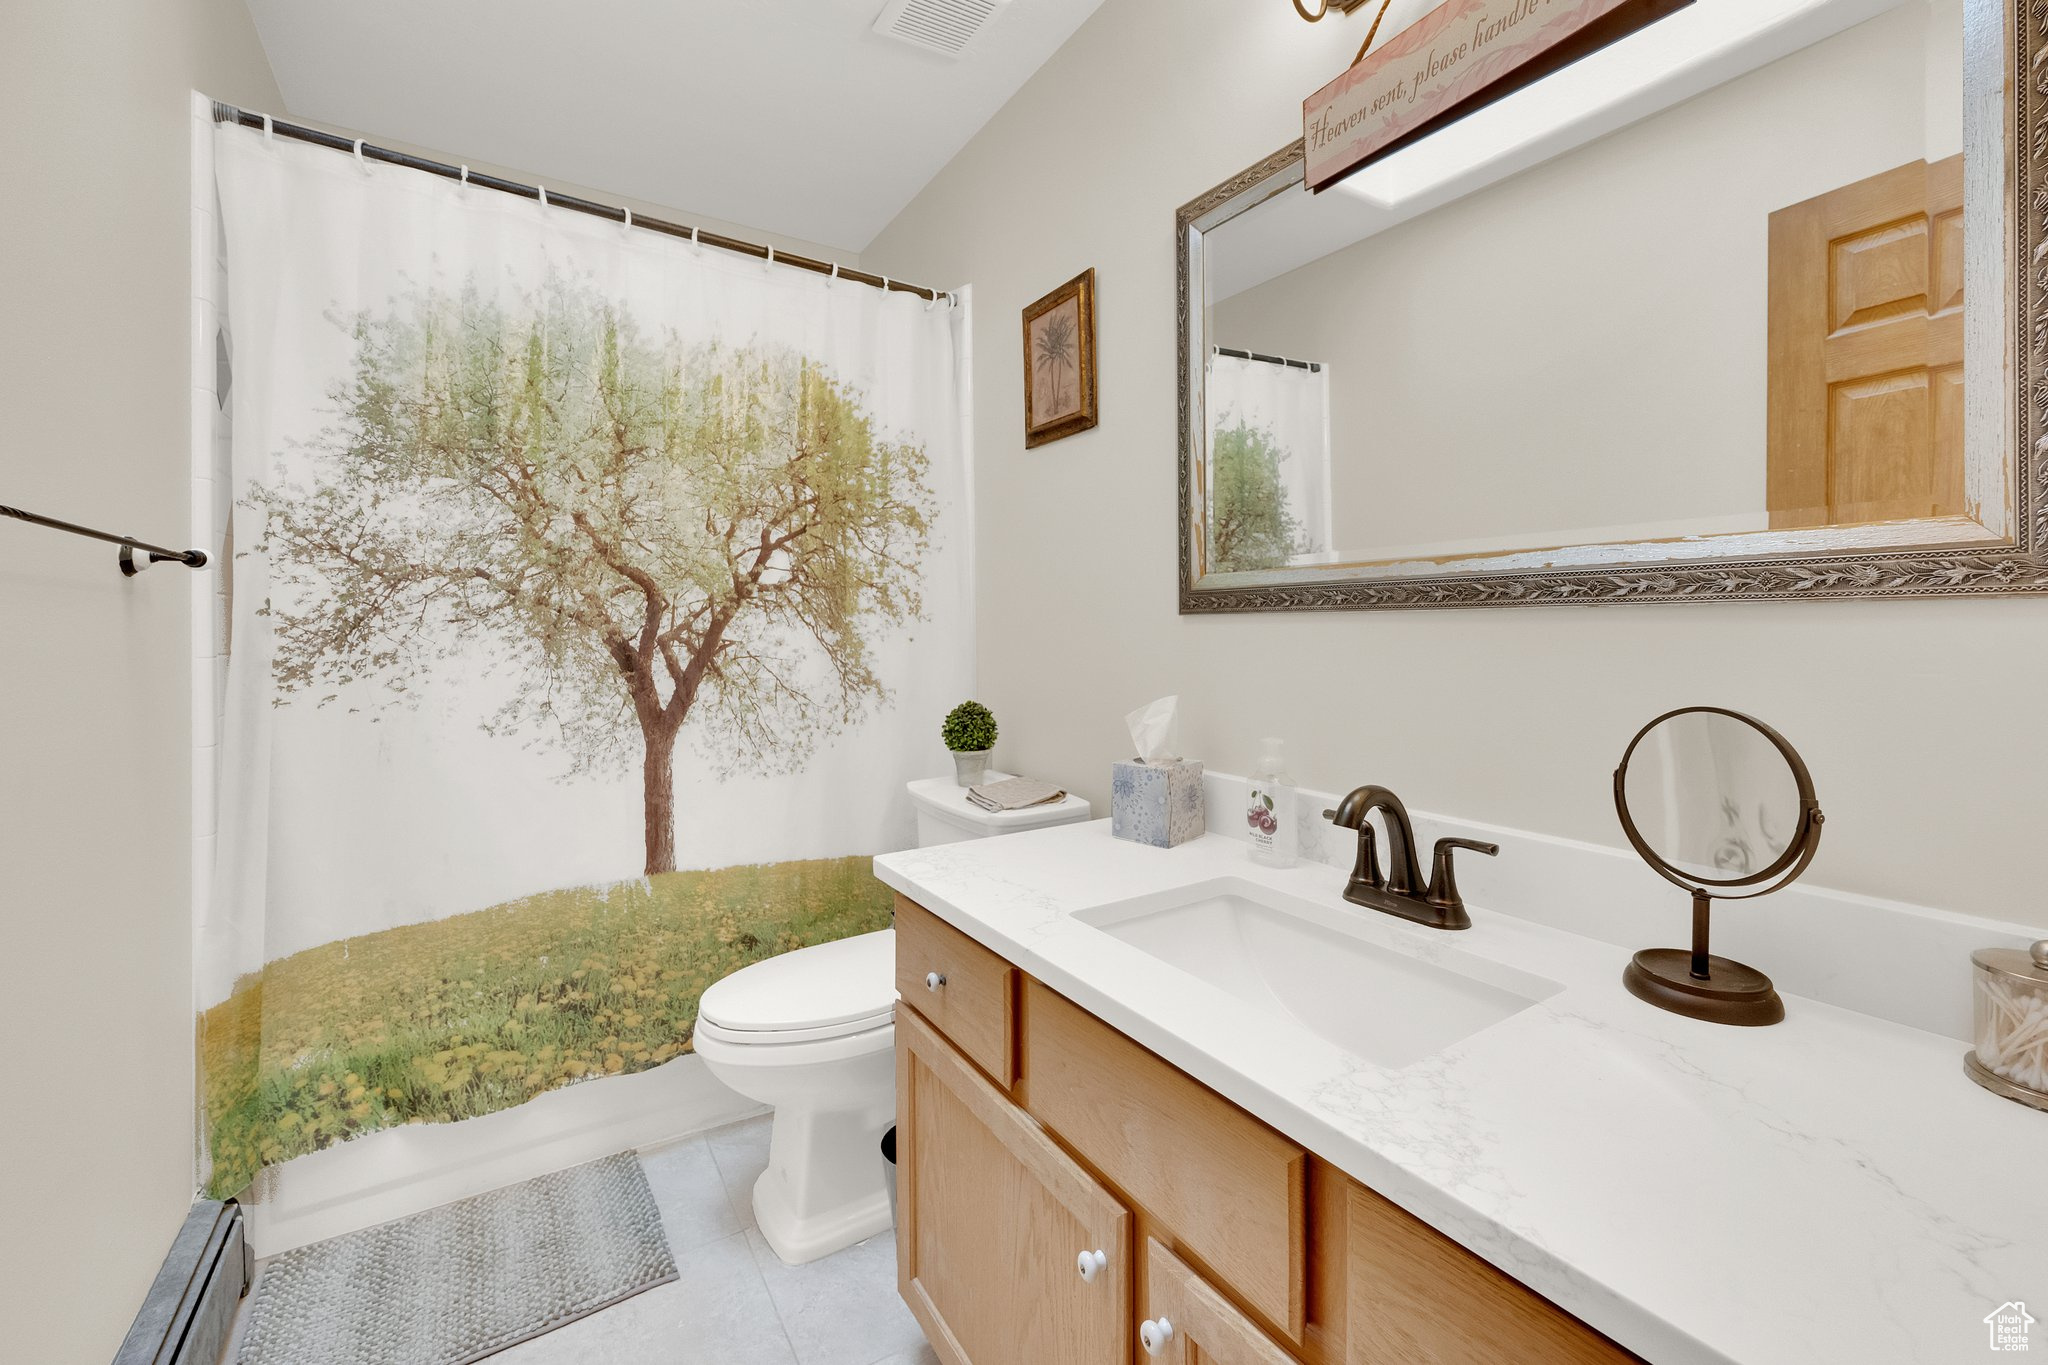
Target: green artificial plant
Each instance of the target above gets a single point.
(969, 728)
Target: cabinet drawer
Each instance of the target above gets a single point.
(1418, 1298)
(968, 992)
(1007, 1252)
(1189, 1323)
(1229, 1192)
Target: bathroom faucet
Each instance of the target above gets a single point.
(1400, 890)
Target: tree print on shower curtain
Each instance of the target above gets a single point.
(653, 534)
(645, 540)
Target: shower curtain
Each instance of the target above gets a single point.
(592, 597)
(1284, 410)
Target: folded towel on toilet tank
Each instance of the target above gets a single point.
(1015, 793)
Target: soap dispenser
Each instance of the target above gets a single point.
(1276, 838)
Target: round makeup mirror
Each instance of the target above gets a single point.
(1720, 804)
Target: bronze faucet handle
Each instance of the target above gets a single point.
(1443, 883)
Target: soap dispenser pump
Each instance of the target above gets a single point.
(1276, 838)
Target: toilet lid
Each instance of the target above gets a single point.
(830, 988)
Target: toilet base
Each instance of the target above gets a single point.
(826, 1186)
(796, 1239)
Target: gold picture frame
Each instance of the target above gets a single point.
(1059, 362)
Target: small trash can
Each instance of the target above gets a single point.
(889, 1169)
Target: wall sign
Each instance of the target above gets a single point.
(1455, 60)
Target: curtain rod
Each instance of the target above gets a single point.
(228, 113)
(194, 559)
(1312, 366)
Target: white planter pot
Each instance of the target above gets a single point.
(970, 765)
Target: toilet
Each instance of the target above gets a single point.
(812, 1034)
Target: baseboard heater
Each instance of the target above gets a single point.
(191, 1307)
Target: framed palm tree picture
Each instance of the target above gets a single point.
(1059, 362)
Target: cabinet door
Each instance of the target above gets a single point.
(1418, 1298)
(995, 1221)
(1225, 1188)
(1188, 1323)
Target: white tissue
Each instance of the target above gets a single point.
(1155, 731)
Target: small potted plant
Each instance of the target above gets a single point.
(970, 732)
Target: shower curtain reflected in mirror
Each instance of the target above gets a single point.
(593, 597)
(1269, 463)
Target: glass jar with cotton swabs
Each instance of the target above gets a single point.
(2011, 1018)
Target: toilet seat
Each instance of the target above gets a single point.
(829, 990)
(880, 1024)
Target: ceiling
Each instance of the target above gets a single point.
(790, 116)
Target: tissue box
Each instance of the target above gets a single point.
(1157, 804)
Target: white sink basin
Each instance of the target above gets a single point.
(1315, 965)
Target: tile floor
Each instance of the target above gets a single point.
(735, 1303)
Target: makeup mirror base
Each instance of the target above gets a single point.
(1731, 993)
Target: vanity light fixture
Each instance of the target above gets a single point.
(1346, 6)
(1665, 64)
(1324, 7)
(1659, 66)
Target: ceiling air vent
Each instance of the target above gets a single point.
(945, 26)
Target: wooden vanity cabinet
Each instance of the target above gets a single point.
(1188, 1323)
(993, 1222)
(1029, 1132)
(968, 992)
(1414, 1295)
(1232, 1192)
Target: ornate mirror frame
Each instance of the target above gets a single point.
(2015, 562)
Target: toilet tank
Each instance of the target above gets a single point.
(946, 816)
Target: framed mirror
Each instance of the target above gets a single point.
(1730, 309)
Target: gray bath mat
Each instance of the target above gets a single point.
(455, 1284)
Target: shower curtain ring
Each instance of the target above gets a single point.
(542, 191)
(835, 275)
(695, 248)
(361, 164)
(629, 221)
(931, 302)
(269, 134)
(771, 255)
(465, 177)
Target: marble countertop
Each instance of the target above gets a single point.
(1832, 1188)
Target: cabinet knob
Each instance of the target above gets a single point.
(934, 980)
(1091, 1264)
(1155, 1335)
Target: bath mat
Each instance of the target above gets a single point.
(457, 1283)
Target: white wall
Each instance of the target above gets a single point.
(1920, 719)
(1634, 276)
(95, 769)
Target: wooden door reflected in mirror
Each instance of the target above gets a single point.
(1866, 351)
